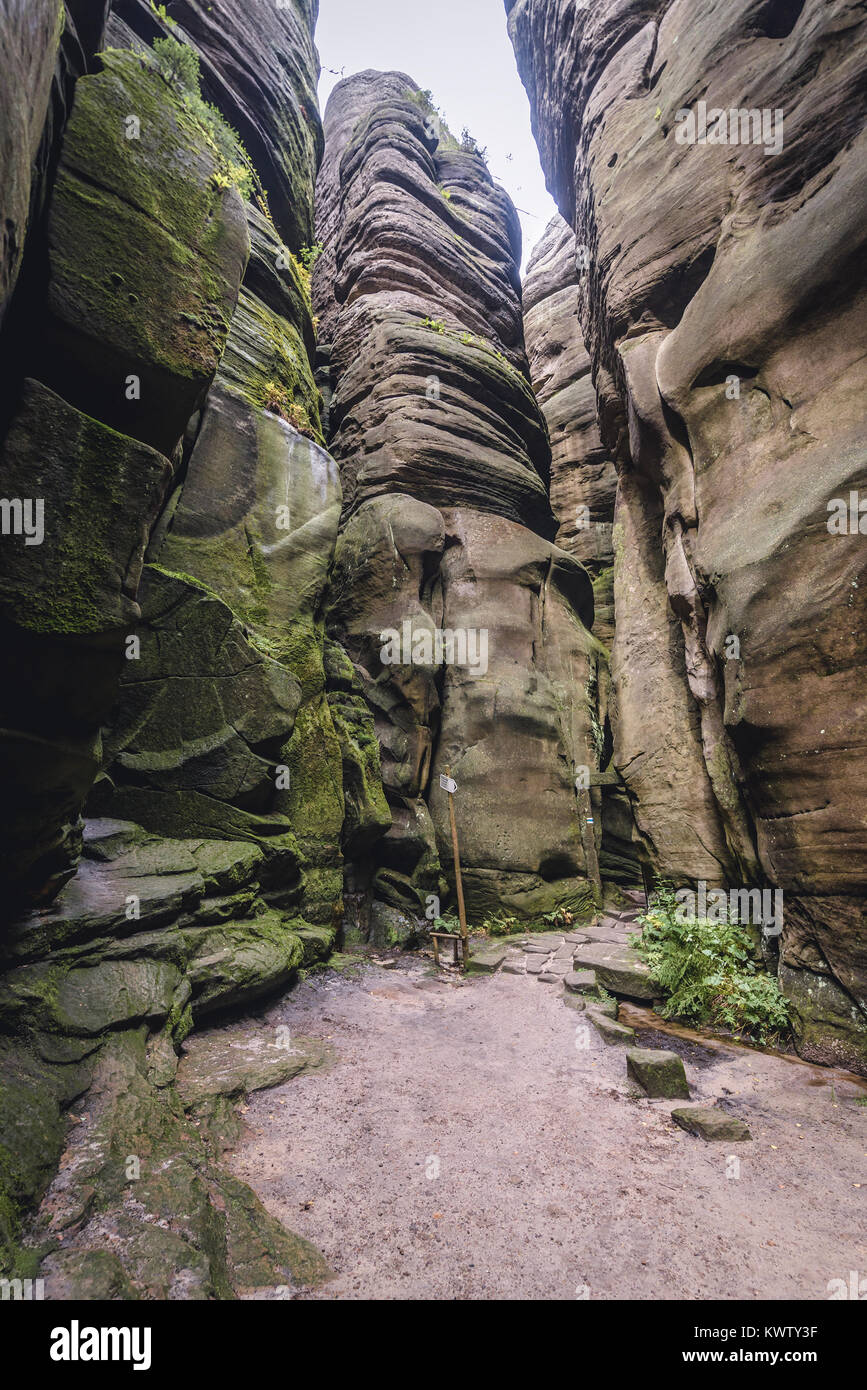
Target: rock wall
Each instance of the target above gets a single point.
(446, 524)
(187, 757)
(583, 477)
(583, 489)
(722, 308)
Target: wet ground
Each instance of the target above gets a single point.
(468, 1143)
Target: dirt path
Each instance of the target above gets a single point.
(463, 1147)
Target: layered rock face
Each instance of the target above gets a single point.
(29, 44)
(583, 477)
(187, 757)
(469, 626)
(583, 488)
(713, 168)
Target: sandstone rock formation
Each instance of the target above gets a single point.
(29, 42)
(583, 487)
(174, 748)
(583, 477)
(722, 308)
(263, 588)
(446, 524)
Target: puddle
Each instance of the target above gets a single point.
(713, 1045)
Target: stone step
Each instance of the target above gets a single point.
(581, 981)
(486, 958)
(617, 967)
(660, 1073)
(609, 1030)
(609, 1007)
(711, 1124)
(514, 967)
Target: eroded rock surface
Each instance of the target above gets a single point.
(583, 477)
(165, 614)
(447, 525)
(723, 311)
(583, 490)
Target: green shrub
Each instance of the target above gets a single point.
(561, 918)
(470, 145)
(179, 65)
(710, 971)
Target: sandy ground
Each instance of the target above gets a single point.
(464, 1147)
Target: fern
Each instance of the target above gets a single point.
(710, 971)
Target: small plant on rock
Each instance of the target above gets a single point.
(449, 922)
(179, 65)
(162, 13)
(561, 917)
(304, 262)
(501, 924)
(470, 145)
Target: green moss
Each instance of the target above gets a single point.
(180, 1023)
(185, 579)
(314, 800)
(149, 168)
(722, 780)
(230, 561)
(169, 309)
(89, 524)
(278, 378)
(424, 99)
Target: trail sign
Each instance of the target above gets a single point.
(448, 784)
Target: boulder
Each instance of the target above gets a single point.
(659, 1073)
(64, 622)
(611, 1032)
(271, 103)
(234, 1062)
(146, 250)
(711, 1124)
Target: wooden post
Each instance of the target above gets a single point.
(644, 881)
(465, 947)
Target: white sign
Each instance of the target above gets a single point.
(448, 784)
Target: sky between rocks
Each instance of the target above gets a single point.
(460, 51)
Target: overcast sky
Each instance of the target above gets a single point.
(460, 51)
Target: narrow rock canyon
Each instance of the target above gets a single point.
(336, 551)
